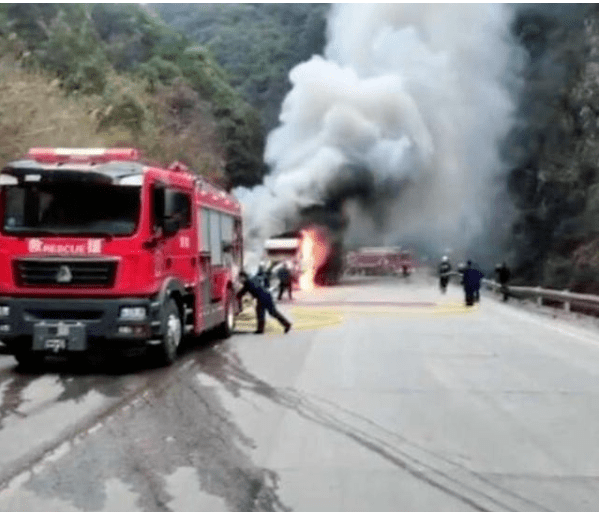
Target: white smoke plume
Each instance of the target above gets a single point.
(416, 94)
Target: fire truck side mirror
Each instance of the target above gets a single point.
(170, 226)
(158, 205)
(227, 247)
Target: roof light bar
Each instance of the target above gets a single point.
(82, 155)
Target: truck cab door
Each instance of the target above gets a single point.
(174, 224)
(157, 241)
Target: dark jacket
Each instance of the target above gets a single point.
(472, 278)
(263, 277)
(284, 276)
(253, 287)
(503, 274)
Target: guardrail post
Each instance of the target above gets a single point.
(539, 297)
(567, 303)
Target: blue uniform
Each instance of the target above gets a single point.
(256, 290)
(264, 303)
(472, 279)
(285, 282)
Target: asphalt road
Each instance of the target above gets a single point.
(386, 396)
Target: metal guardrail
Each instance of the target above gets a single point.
(565, 297)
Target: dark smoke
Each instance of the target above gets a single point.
(357, 184)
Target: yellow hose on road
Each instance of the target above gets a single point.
(318, 317)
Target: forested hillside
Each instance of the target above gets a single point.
(257, 44)
(554, 151)
(76, 74)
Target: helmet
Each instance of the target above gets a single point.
(444, 258)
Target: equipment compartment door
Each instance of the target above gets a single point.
(205, 258)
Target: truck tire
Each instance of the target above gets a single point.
(172, 330)
(29, 360)
(226, 328)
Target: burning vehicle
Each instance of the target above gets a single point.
(313, 258)
(284, 249)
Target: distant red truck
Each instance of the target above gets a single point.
(379, 261)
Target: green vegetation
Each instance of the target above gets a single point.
(35, 112)
(257, 44)
(130, 79)
(555, 151)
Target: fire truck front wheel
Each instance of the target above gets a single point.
(226, 328)
(29, 360)
(171, 334)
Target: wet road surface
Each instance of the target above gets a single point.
(385, 396)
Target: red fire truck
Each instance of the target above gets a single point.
(379, 261)
(99, 250)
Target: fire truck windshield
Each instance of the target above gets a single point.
(70, 208)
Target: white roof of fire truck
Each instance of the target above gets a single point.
(121, 165)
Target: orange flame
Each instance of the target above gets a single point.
(314, 249)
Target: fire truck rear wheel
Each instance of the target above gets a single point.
(172, 334)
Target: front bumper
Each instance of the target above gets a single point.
(75, 324)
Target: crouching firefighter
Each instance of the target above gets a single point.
(264, 302)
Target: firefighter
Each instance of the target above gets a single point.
(444, 272)
(503, 276)
(472, 278)
(264, 302)
(285, 280)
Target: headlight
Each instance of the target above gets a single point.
(4, 311)
(133, 313)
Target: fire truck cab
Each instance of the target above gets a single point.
(99, 250)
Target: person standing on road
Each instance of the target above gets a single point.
(264, 302)
(444, 271)
(472, 279)
(503, 276)
(285, 280)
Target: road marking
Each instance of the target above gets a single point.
(439, 310)
(375, 303)
(314, 316)
(302, 318)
